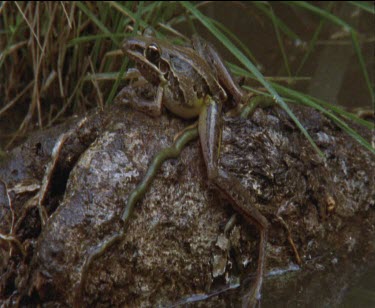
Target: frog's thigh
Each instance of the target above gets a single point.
(209, 133)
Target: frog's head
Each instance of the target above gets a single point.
(147, 53)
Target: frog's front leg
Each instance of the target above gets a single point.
(210, 135)
(141, 95)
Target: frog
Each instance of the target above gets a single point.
(193, 83)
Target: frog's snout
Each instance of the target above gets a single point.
(133, 47)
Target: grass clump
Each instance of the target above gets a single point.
(64, 58)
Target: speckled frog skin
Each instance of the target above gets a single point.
(193, 82)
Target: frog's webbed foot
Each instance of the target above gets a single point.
(258, 101)
(234, 191)
(140, 94)
(251, 299)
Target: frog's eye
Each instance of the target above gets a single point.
(152, 53)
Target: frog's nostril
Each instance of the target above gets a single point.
(138, 49)
(132, 45)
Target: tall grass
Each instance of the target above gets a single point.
(62, 58)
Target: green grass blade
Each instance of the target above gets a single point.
(338, 21)
(124, 65)
(366, 6)
(343, 113)
(126, 12)
(322, 13)
(281, 44)
(90, 38)
(245, 61)
(357, 49)
(12, 32)
(299, 97)
(235, 38)
(265, 7)
(293, 93)
(313, 41)
(96, 21)
(107, 76)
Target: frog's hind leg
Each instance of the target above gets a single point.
(208, 52)
(231, 187)
(239, 198)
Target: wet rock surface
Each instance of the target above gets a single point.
(175, 250)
